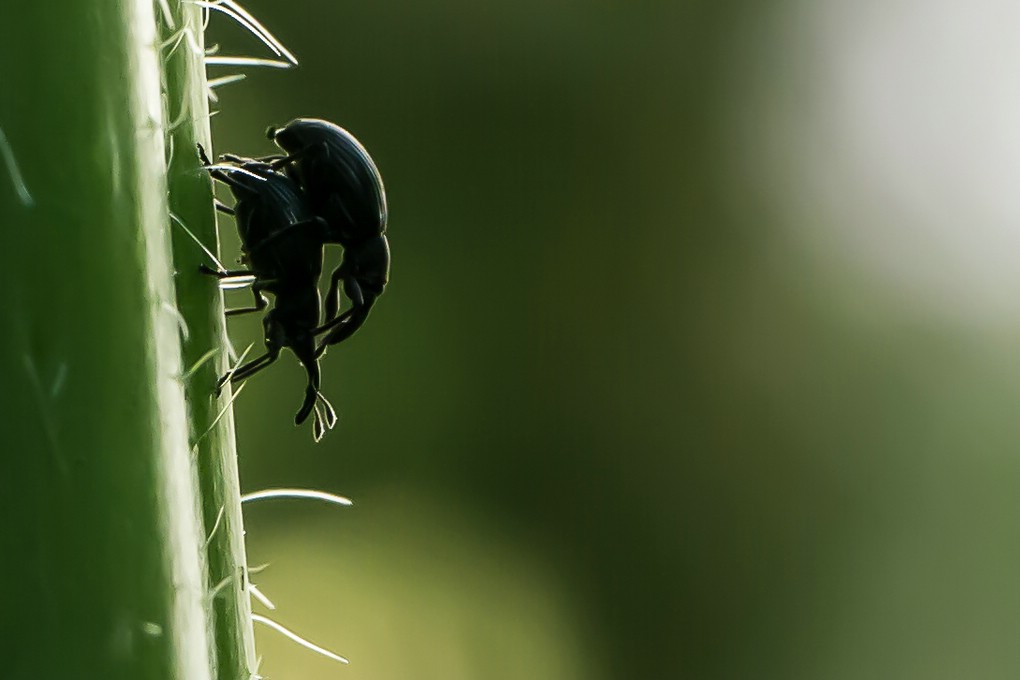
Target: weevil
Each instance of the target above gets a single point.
(281, 243)
(344, 188)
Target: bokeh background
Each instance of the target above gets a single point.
(701, 352)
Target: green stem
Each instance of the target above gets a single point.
(201, 306)
(103, 573)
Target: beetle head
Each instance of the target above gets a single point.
(290, 322)
(369, 263)
(302, 133)
(299, 133)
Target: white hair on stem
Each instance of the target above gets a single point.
(209, 253)
(246, 61)
(168, 16)
(313, 494)
(245, 19)
(226, 80)
(297, 638)
(260, 596)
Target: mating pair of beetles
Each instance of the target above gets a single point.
(324, 189)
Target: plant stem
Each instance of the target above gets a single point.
(102, 572)
(201, 306)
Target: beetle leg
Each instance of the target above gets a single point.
(202, 155)
(281, 161)
(345, 330)
(222, 207)
(242, 277)
(260, 303)
(228, 179)
(247, 370)
(252, 367)
(325, 416)
(345, 325)
(311, 395)
(332, 302)
(333, 323)
(307, 224)
(224, 273)
(306, 355)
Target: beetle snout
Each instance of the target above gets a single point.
(271, 132)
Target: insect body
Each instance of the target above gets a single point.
(345, 189)
(281, 240)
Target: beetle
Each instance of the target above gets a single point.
(281, 242)
(345, 189)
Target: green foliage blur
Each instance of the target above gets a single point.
(674, 377)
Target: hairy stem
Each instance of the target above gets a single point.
(201, 307)
(103, 568)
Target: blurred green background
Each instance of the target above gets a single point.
(699, 357)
